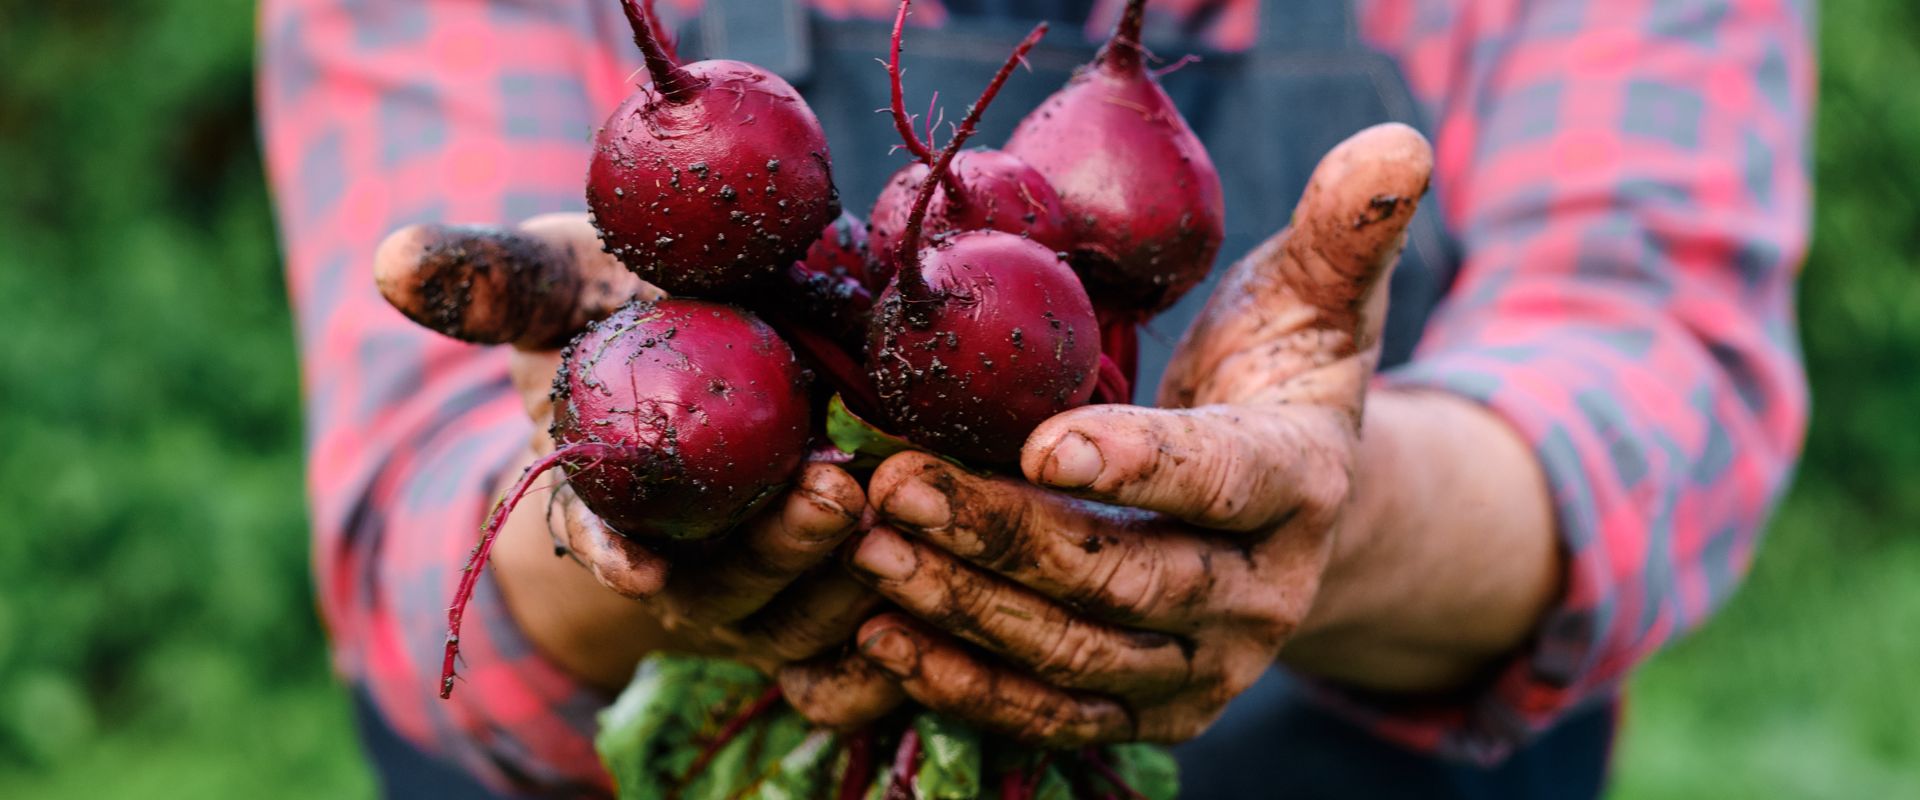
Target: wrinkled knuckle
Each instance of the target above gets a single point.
(1076, 653)
(962, 602)
(960, 689)
(1332, 490)
(1049, 726)
(797, 637)
(1134, 588)
(1055, 554)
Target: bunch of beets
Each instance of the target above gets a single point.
(988, 291)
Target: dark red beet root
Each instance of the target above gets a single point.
(711, 398)
(838, 306)
(826, 318)
(1005, 339)
(1142, 196)
(981, 336)
(713, 176)
(983, 189)
(674, 420)
(841, 251)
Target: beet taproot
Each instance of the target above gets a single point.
(712, 176)
(1142, 197)
(674, 421)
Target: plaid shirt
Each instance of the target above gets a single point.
(1629, 181)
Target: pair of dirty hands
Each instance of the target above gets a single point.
(1149, 567)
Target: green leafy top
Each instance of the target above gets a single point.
(655, 733)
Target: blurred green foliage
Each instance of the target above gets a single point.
(156, 632)
(156, 628)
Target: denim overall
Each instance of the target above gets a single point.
(1266, 115)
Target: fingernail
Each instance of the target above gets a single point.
(884, 556)
(917, 504)
(833, 520)
(1075, 462)
(892, 650)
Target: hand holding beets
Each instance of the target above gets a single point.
(529, 287)
(1172, 552)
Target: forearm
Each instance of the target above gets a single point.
(1448, 558)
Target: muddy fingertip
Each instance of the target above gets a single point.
(887, 642)
(396, 262)
(834, 492)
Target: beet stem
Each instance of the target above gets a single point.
(901, 121)
(913, 285)
(1122, 52)
(674, 84)
(1112, 386)
(906, 764)
(922, 150)
(660, 34)
(859, 774)
(477, 561)
(842, 369)
(1098, 762)
(731, 731)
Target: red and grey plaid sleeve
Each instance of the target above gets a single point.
(1629, 182)
(379, 114)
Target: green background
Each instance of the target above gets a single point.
(156, 632)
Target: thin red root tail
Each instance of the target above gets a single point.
(477, 560)
(858, 777)
(912, 284)
(906, 764)
(1176, 66)
(731, 731)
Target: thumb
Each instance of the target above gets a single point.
(1234, 468)
(532, 287)
(1299, 318)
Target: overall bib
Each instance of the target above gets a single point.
(1266, 116)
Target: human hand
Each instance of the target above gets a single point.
(766, 595)
(1176, 550)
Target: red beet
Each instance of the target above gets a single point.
(714, 175)
(1141, 194)
(674, 420)
(984, 334)
(840, 250)
(983, 190)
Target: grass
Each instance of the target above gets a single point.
(156, 632)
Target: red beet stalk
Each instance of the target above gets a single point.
(915, 287)
(477, 560)
(906, 765)
(731, 731)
